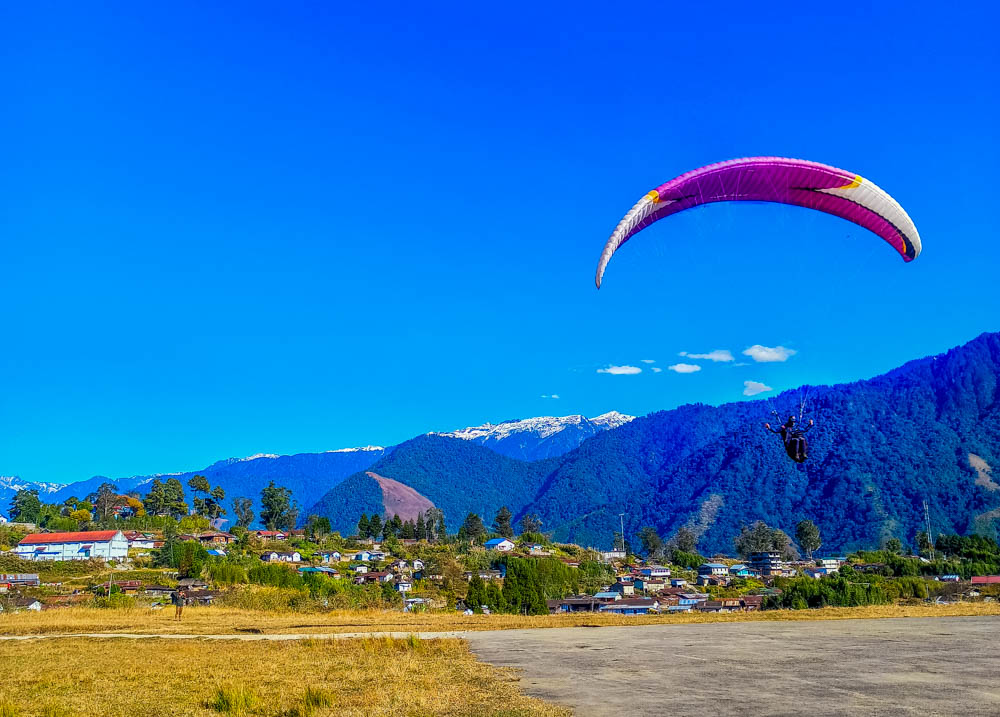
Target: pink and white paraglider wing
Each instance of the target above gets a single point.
(773, 179)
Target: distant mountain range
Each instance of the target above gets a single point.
(531, 439)
(311, 475)
(927, 431)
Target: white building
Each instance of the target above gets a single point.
(103, 544)
(500, 544)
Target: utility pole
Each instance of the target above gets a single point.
(621, 519)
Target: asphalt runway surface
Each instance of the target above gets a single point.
(912, 666)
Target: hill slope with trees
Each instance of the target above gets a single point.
(880, 448)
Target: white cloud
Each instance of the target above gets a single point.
(648, 360)
(657, 369)
(684, 368)
(768, 354)
(752, 388)
(554, 395)
(620, 370)
(717, 355)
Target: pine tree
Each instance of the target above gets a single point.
(408, 531)
(397, 525)
(501, 523)
(421, 527)
(374, 526)
(363, 526)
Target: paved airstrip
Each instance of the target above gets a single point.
(910, 666)
(918, 666)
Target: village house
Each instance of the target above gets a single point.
(631, 606)
(329, 556)
(582, 603)
(305, 569)
(502, 545)
(766, 563)
(691, 598)
(985, 580)
(713, 569)
(216, 538)
(678, 582)
(18, 604)
(720, 580)
(276, 557)
(268, 536)
(404, 586)
(19, 580)
(831, 563)
(538, 550)
(191, 584)
(752, 602)
(740, 571)
(360, 569)
(608, 555)
(158, 590)
(607, 596)
(624, 589)
(129, 587)
(485, 574)
(649, 584)
(375, 576)
(140, 541)
(83, 545)
(216, 553)
(654, 571)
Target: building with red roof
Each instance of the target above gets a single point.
(81, 545)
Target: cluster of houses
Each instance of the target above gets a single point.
(637, 590)
(650, 588)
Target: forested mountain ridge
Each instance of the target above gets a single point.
(880, 448)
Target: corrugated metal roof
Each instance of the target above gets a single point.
(97, 536)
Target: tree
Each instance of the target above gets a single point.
(758, 538)
(318, 527)
(472, 528)
(156, 498)
(894, 546)
(807, 534)
(105, 500)
(685, 541)
(173, 495)
(420, 529)
(278, 510)
(243, 510)
(363, 526)
(923, 543)
(397, 525)
(501, 523)
(522, 588)
(530, 523)
(409, 531)
(781, 543)
(209, 506)
(374, 526)
(652, 544)
(25, 507)
(435, 524)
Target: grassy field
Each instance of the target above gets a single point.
(222, 620)
(287, 679)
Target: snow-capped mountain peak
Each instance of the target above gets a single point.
(539, 437)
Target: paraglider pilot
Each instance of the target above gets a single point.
(794, 439)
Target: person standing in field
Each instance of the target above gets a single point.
(178, 597)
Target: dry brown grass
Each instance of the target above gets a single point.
(309, 677)
(228, 621)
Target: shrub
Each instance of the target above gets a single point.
(238, 700)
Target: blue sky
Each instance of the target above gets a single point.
(253, 228)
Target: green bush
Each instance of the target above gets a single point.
(237, 700)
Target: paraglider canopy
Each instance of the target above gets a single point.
(773, 179)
